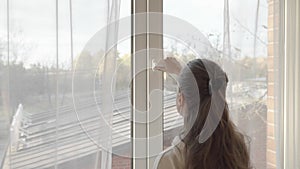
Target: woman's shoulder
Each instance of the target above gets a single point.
(171, 158)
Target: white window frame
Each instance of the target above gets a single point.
(145, 81)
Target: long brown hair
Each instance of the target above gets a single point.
(226, 148)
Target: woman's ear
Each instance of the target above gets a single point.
(181, 99)
(180, 103)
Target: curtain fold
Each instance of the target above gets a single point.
(290, 113)
(108, 86)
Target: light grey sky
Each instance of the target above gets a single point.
(207, 16)
(36, 21)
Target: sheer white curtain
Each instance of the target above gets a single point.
(108, 85)
(290, 107)
(56, 64)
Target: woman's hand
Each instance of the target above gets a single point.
(169, 65)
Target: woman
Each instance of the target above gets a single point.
(209, 139)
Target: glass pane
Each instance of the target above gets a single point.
(31, 84)
(249, 66)
(50, 106)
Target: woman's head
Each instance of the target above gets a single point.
(209, 134)
(202, 80)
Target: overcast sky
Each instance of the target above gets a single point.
(33, 23)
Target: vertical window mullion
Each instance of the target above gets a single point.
(147, 125)
(155, 88)
(139, 89)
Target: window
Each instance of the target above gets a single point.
(50, 86)
(51, 78)
(244, 36)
